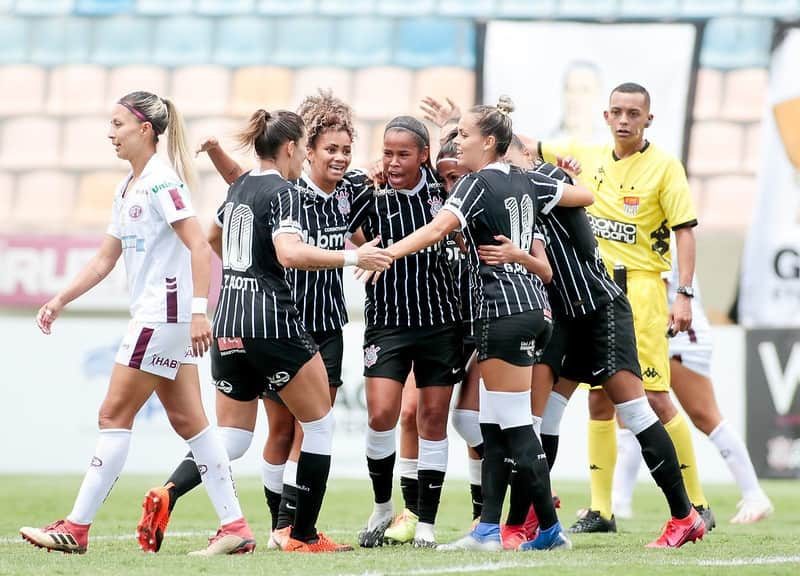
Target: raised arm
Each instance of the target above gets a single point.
(226, 166)
(292, 252)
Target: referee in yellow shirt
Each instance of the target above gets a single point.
(641, 193)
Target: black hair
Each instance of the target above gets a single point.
(266, 132)
(633, 88)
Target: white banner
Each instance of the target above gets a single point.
(770, 286)
(52, 387)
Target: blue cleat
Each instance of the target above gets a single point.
(485, 537)
(551, 539)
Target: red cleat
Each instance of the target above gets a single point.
(678, 532)
(232, 538)
(61, 535)
(155, 517)
(512, 536)
(531, 524)
(322, 544)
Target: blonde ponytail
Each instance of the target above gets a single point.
(177, 145)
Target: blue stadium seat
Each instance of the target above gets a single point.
(708, 8)
(303, 41)
(60, 40)
(363, 41)
(242, 41)
(789, 9)
(526, 8)
(182, 41)
(160, 8)
(435, 42)
(283, 7)
(14, 34)
(223, 7)
(341, 7)
(43, 7)
(648, 8)
(736, 43)
(466, 8)
(122, 40)
(103, 7)
(587, 8)
(405, 7)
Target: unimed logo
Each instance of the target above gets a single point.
(782, 382)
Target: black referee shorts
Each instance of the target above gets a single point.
(517, 339)
(594, 347)
(246, 368)
(435, 353)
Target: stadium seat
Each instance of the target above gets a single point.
(728, 202)
(308, 80)
(361, 144)
(257, 87)
(86, 146)
(730, 43)
(43, 7)
(375, 150)
(466, 8)
(345, 7)
(208, 196)
(587, 8)
(127, 79)
(525, 8)
(455, 83)
(27, 142)
(789, 9)
(222, 128)
(223, 7)
(708, 8)
(60, 40)
(103, 7)
(161, 8)
(405, 7)
(303, 41)
(382, 92)
(242, 41)
(282, 7)
(715, 148)
(14, 33)
(183, 41)
(123, 40)
(745, 94)
(648, 8)
(29, 84)
(94, 199)
(363, 41)
(200, 90)
(77, 89)
(752, 148)
(44, 200)
(708, 94)
(435, 42)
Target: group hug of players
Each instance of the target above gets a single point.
(481, 270)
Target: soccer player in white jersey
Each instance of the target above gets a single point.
(167, 260)
(690, 378)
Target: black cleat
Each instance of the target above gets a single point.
(708, 517)
(373, 538)
(591, 521)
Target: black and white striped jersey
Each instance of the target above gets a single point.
(500, 199)
(459, 265)
(581, 283)
(324, 217)
(418, 290)
(255, 299)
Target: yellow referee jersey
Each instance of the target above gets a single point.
(638, 200)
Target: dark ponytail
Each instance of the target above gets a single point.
(266, 132)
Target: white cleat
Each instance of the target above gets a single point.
(752, 511)
(470, 542)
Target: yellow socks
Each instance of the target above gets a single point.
(602, 459)
(678, 430)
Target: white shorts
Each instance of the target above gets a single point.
(156, 347)
(693, 350)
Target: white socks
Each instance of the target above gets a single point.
(381, 512)
(109, 458)
(407, 468)
(736, 456)
(432, 455)
(537, 425)
(475, 467)
(272, 476)
(215, 470)
(553, 413)
(629, 458)
(290, 473)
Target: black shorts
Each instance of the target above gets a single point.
(518, 339)
(434, 352)
(246, 368)
(468, 342)
(596, 346)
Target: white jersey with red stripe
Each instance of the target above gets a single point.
(693, 347)
(157, 262)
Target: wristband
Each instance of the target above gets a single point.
(199, 305)
(350, 258)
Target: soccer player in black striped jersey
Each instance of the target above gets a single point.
(593, 341)
(412, 318)
(513, 313)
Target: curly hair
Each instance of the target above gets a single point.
(325, 112)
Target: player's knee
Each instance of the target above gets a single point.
(600, 407)
(432, 421)
(662, 405)
(408, 416)
(280, 437)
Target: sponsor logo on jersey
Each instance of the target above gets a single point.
(331, 238)
(630, 204)
(164, 185)
(613, 230)
(132, 242)
(343, 202)
(158, 360)
(371, 355)
(225, 344)
(436, 204)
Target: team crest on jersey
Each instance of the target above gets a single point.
(371, 355)
(436, 204)
(343, 202)
(630, 205)
(135, 212)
